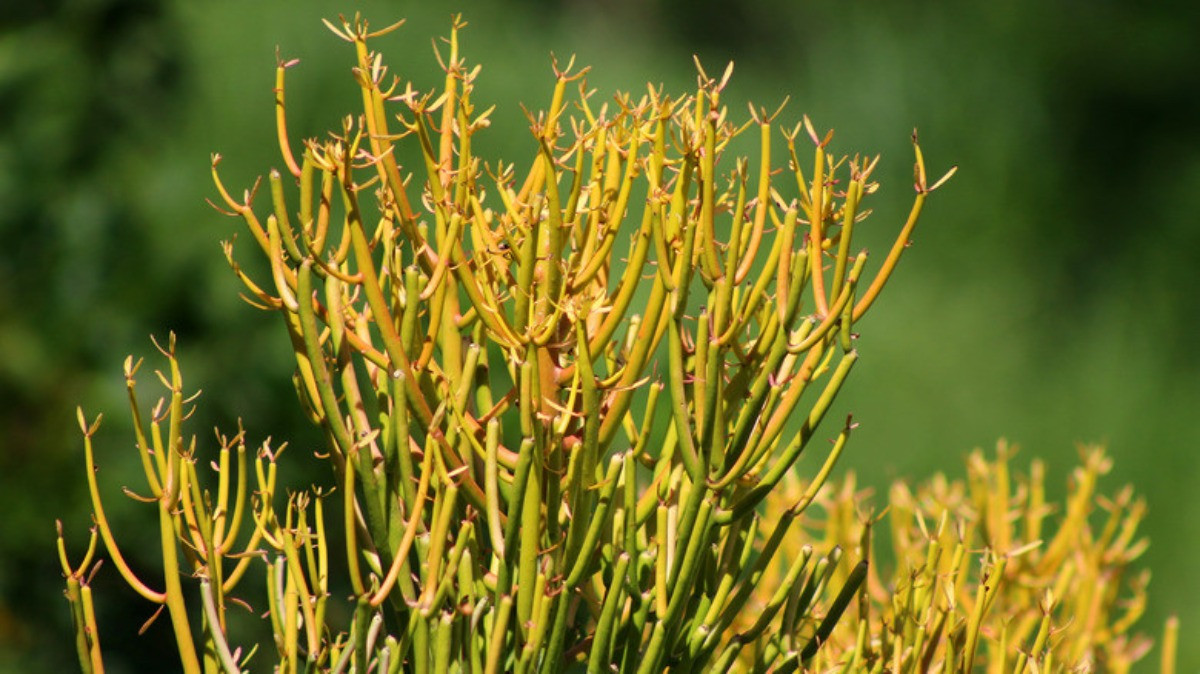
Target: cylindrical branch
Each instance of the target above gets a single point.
(204, 525)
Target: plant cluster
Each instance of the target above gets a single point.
(558, 408)
(988, 573)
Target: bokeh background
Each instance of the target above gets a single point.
(1049, 297)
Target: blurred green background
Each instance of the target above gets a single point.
(1048, 298)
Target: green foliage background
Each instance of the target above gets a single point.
(1049, 298)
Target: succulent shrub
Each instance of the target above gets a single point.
(986, 574)
(555, 398)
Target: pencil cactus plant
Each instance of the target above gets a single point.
(546, 456)
(987, 573)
